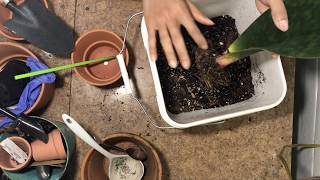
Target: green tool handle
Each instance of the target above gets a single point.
(59, 68)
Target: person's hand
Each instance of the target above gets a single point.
(278, 11)
(166, 17)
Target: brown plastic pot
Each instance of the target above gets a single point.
(95, 166)
(96, 44)
(53, 150)
(6, 14)
(10, 51)
(6, 161)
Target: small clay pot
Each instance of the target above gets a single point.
(53, 150)
(6, 161)
(97, 44)
(10, 51)
(6, 14)
(95, 166)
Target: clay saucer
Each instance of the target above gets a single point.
(95, 166)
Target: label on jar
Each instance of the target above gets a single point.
(14, 150)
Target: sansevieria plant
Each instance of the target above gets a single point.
(302, 40)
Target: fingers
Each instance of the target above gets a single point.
(166, 17)
(199, 16)
(279, 14)
(261, 6)
(180, 47)
(278, 11)
(195, 33)
(167, 47)
(152, 44)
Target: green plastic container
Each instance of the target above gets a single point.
(56, 173)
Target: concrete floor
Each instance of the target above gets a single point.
(241, 148)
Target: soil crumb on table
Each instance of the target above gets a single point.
(205, 85)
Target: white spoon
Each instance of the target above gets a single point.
(119, 165)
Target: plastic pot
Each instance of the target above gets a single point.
(6, 161)
(56, 173)
(95, 44)
(95, 166)
(53, 150)
(268, 94)
(9, 51)
(6, 14)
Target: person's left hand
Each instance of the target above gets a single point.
(278, 11)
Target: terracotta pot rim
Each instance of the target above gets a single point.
(10, 37)
(96, 31)
(16, 37)
(12, 57)
(21, 166)
(109, 80)
(117, 135)
(18, 46)
(42, 91)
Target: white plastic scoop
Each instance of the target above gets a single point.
(120, 166)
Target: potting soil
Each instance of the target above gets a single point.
(205, 85)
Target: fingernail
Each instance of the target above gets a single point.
(275, 56)
(185, 65)
(210, 22)
(173, 64)
(205, 46)
(283, 25)
(153, 57)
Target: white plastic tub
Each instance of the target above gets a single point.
(270, 88)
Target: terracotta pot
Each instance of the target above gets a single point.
(96, 44)
(6, 14)
(95, 166)
(6, 161)
(9, 51)
(53, 150)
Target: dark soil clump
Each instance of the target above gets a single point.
(205, 85)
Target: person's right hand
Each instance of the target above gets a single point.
(166, 17)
